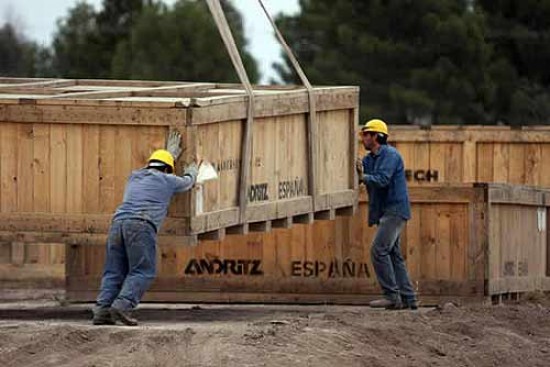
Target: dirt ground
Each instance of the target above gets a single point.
(41, 334)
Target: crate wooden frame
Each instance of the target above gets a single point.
(461, 245)
(36, 109)
(468, 154)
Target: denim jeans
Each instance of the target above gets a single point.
(130, 265)
(389, 265)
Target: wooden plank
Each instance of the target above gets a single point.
(41, 167)
(443, 242)
(122, 159)
(484, 162)
(494, 243)
(336, 130)
(533, 160)
(246, 159)
(74, 169)
(519, 195)
(354, 129)
(459, 239)
(480, 134)
(501, 160)
(108, 199)
(275, 286)
(208, 147)
(516, 164)
(8, 167)
(34, 83)
(228, 163)
(91, 168)
(279, 298)
(414, 243)
(478, 235)
(264, 147)
(280, 104)
(214, 220)
(100, 114)
(454, 165)
(92, 239)
(518, 284)
(17, 253)
(545, 166)
(547, 242)
(58, 168)
(443, 194)
(301, 205)
(25, 171)
(421, 161)
(469, 150)
(428, 236)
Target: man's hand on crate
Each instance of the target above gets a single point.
(173, 145)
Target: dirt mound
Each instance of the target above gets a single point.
(280, 336)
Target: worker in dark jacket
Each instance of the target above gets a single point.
(383, 173)
(130, 265)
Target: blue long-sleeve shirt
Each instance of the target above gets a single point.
(384, 176)
(148, 193)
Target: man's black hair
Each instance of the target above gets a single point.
(381, 138)
(159, 166)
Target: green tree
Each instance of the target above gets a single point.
(18, 56)
(181, 43)
(86, 40)
(76, 46)
(519, 32)
(422, 61)
(146, 39)
(114, 26)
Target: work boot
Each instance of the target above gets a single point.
(102, 316)
(381, 303)
(123, 316)
(410, 305)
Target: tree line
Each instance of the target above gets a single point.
(422, 61)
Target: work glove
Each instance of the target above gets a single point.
(173, 144)
(192, 170)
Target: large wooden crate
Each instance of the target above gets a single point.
(68, 146)
(464, 242)
(460, 154)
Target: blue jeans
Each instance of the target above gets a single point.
(130, 265)
(389, 265)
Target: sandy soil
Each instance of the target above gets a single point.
(182, 335)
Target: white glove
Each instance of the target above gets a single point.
(192, 170)
(173, 145)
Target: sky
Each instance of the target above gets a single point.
(38, 18)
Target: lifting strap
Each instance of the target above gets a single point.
(223, 27)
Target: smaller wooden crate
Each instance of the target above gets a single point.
(467, 154)
(464, 242)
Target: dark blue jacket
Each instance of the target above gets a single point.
(384, 176)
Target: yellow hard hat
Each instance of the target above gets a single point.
(163, 156)
(375, 126)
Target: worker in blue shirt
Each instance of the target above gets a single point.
(383, 173)
(130, 264)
